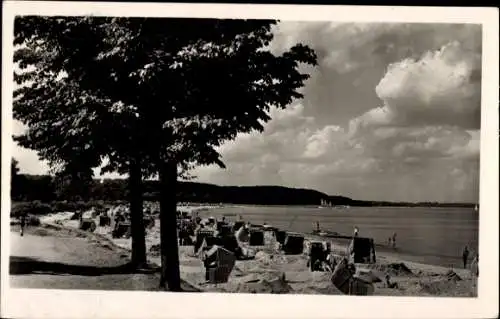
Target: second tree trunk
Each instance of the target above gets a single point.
(170, 272)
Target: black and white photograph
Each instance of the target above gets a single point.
(159, 153)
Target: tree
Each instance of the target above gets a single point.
(14, 178)
(189, 84)
(72, 128)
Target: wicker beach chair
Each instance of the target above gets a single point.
(76, 216)
(200, 238)
(242, 235)
(316, 255)
(219, 263)
(359, 287)
(87, 225)
(226, 230)
(256, 237)
(294, 244)
(363, 250)
(237, 225)
(122, 229)
(94, 213)
(230, 243)
(104, 221)
(342, 276)
(280, 236)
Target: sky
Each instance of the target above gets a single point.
(391, 112)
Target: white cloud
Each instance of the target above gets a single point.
(440, 88)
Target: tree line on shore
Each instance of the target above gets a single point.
(46, 188)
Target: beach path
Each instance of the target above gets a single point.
(45, 258)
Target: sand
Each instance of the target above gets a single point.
(273, 272)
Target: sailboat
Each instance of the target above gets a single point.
(325, 203)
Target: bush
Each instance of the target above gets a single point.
(30, 208)
(76, 206)
(33, 221)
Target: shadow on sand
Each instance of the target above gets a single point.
(26, 266)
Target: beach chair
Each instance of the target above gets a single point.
(316, 254)
(219, 263)
(256, 237)
(200, 238)
(184, 238)
(104, 221)
(87, 225)
(226, 230)
(211, 241)
(76, 216)
(280, 236)
(122, 229)
(294, 244)
(219, 224)
(363, 249)
(242, 235)
(230, 243)
(342, 276)
(237, 225)
(359, 287)
(94, 213)
(197, 220)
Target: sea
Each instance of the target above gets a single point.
(434, 236)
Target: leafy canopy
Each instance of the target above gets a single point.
(149, 88)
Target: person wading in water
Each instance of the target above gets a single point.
(394, 240)
(465, 255)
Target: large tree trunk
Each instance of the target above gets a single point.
(136, 215)
(170, 272)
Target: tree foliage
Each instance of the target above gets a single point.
(194, 83)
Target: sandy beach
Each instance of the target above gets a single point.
(264, 274)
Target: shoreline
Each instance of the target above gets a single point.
(334, 208)
(447, 261)
(341, 244)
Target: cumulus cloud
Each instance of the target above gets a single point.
(431, 108)
(440, 88)
(420, 143)
(353, 57)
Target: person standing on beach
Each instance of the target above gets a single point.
(23, 223)
(394, 240)
(475, 265)
(465, 255)
(356, 231)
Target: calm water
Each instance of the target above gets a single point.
(427, 235)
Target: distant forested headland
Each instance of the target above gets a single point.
(46, 188)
